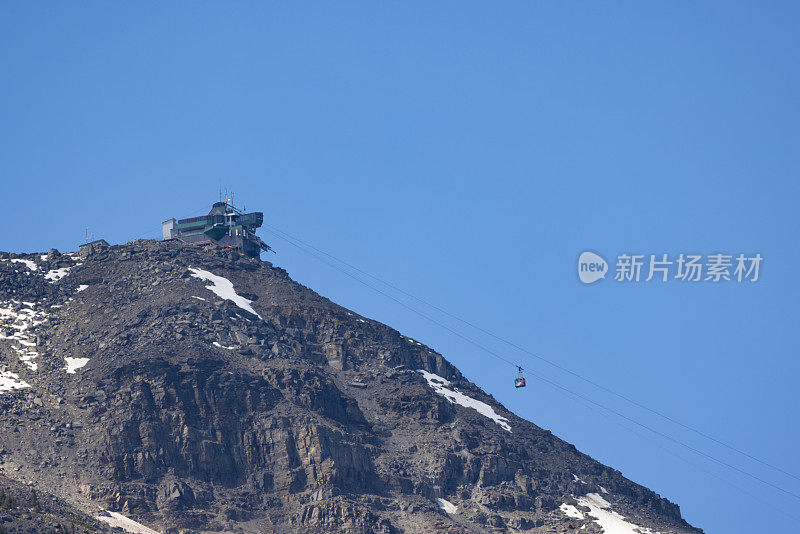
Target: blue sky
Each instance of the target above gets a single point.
(468, 153)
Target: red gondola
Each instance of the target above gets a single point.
(519, 382)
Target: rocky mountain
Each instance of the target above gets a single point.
(163, 387)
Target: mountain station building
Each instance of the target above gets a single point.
(224, 225)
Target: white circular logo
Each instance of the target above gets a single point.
(591, 267)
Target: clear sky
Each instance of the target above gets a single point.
(467, 152)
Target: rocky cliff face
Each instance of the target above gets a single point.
(192, 389)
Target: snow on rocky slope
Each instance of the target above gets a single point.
(187, 387)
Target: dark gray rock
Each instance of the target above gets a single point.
(193, 414)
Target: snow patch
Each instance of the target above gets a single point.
(128, 525)
(447, 506)
(223, 288)
(10, 381)
(29, 263)
(216, 344)
(21, 319)
(600, 512)
(73, 364)
(81, 288)
(571, 511)
(198, 298)
(55, 275)
(439, 385)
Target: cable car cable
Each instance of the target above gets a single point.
(550, 362)
(686, 460)
(542, 378)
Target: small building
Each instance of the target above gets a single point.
(224, 225)
(93, 246)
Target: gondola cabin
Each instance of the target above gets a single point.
(519, 382)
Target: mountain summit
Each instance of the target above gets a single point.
(168, 387)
